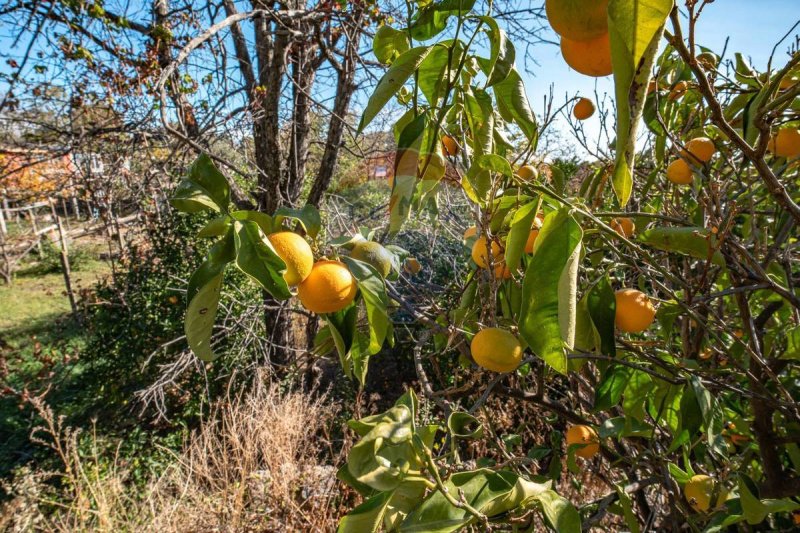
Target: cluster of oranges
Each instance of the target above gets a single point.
(583, 27)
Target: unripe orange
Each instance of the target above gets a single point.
(701, 149)
(592, 58)
(635, 312)
(585, 435)
(450, 145)
(329, 288)
(583, 109)
(496, 349)
(624, 226)
(785, 143)
(580, 20)
(296, 253)
(679, 172)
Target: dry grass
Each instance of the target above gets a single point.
(252, 466)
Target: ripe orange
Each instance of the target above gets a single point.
(583, 109)
(527, 173)
(592, 57)
(785, 143)
(529, 244)
(624, 226)
(699, 491)
(679, 172)
(374, 254)
(496, 349)
(579, 20)
(580, 434)
(411, 265)
(700, 149)
(635, 311)
(329, 288)
(470, 232)
(678, 90)
(296, 253)
(450, 145)
(480, 254)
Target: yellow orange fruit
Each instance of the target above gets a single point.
(296, 253)
(470, 232)
(412, 265)
(624, 226)
(527, 172)
(579, 20)
(679, 172)
(450, 145)
(700, 149)
(785, 143)
(583, 109)
(700, 490)
(496, 349)
(330, 287)
(580, 434)
(635, 312)
(592, 57)
(480, 254)
(374, 254)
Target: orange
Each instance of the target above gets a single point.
(583, 109)
(678, 90)
(374, 254)
(624, 226)
(531, 241)
(470, 232)
(635, 311)
(785, 143)
(329, 288)
(480, 254)
(411, 265)
(679, 172)
(296, 253)
(700, 490)
(585, 435)
(592, 58)
(701, 149)
(527, 172)
(579, 20)
(450, 145)
(496, 349)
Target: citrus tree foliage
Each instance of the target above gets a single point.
(647, 304)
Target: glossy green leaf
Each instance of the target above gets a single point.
(308, 217)
(464, 425)
(264, 221)
(401, 69)
(549, 290)
(200, 316)
(256, 258)
(609, 391)
(366, 517)
(431, 19)
(342, 325)
(602, 307)
(501, 59)
(204, 188)
(692, 241)
(219, 255)
(512, 103)
(635, 28)
(438, 70)
(406, 165)
(373, 291)
(518, 234)
(216, 227)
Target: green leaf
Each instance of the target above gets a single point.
(342, 326)
(756, 510)
(389, 43)
(394, 78)
(204, 188)
(637, 390)
(432, 74)
(431, 20)
(366, 517)
(220, 254)
(792, 344)
(635, 28)
(602, 308)
(256, 258)
(518, 234)
(216, 227)
(695, 242)
(200, 317)
(561, 514)
(406, 164)
(373, 290)
(549, 290)
(464, 425)
(621, 426)
(501, 59)
(307, 216)
(609, 392)
(512, 103)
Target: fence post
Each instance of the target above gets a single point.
(36, 230)
(65, 261)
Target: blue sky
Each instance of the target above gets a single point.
(753, 27)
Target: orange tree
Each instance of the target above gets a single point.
(642, 319)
